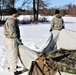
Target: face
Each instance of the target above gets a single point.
(58, 15)
(15, 14)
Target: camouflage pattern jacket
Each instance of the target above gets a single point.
(11, 28)
(57, 23)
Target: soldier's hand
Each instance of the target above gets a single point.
(19, 41)
(50, 30)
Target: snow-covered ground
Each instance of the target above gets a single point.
(33, 36)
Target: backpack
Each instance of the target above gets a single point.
(43, 66)
(51, 62)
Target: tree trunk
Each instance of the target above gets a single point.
(1, 10)
(13, 3)
(37, 9)
(34, 9)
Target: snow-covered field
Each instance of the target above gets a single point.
(33, 36)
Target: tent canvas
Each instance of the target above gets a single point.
(66, 40)
(27, 55)
(63, 39)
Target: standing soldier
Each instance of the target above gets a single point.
(57, 22)
(12, 40)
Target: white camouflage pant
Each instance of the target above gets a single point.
(26, 55)
(11, 53)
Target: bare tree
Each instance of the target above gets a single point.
(1, 8)
(36, 4)
(5, 4)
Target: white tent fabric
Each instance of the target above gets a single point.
(66, 40)
(50, 44)
(60, 39)
(27, 56)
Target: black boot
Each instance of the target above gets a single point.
(17, 72)
(16, 67)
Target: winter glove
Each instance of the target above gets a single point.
(63, 27)
(19, 41)
(50, 30)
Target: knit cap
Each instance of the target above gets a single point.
(57, 11)
(12, 11)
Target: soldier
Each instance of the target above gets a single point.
(57, 22)
(12, 40)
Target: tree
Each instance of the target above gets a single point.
(6, 4)
(1, 8)
(36, 5)
(9, 3)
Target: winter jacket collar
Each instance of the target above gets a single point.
(12, 17)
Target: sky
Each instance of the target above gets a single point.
(53, 3)
(60, 3)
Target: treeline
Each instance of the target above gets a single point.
(66, 10)
(35, 8)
